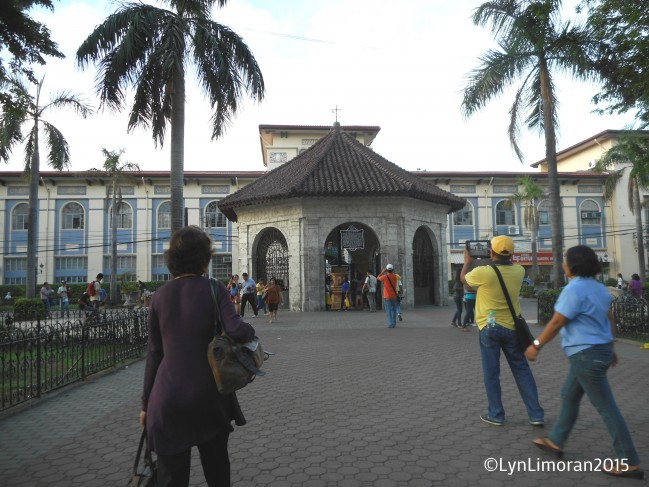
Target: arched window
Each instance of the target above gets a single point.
(464, 216)
(505, 213)
(590, 213)
(124, 216)
(213, 217)
(164, 215)
(20, 217)
(544, 212)
(72, 217)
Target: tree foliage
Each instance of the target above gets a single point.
(26, 40)
(621, 28)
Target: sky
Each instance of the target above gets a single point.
(397, 65)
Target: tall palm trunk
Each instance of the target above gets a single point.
(32, 222)
(535, 236)
(637, 212)
(554, 195)
(113, 247)
(177, 150)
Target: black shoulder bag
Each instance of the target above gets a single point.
(233, 365)
(525, 337)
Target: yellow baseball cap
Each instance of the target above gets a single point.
(502, 245)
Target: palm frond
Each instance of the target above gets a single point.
(58, 150)
(30, 147)
(226, 68)
(11, 123)
(496, 72)
(67, 99)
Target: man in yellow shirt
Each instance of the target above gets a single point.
(501, 335)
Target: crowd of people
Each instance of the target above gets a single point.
(261, 295)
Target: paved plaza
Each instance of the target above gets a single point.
(346, 402)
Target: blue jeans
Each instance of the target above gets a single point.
(492, 340)
(457, 317)
(261, 304)
(390, 306)
(587, 374)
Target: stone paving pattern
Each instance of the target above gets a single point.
(346, 402)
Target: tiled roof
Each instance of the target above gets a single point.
(337, 165)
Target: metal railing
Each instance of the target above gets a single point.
(40, 355)
(631, 314)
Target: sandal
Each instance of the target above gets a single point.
(545, 445)
(629, 473)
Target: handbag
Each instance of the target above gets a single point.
(523, 333)
(146, 477)
(233, 365)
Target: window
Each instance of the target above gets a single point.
(222, 266)
(124, 216)
(124, 262)
(20, 216)
(72, 217)
(544, 212)
(464, 216)
(15, 281)
(158, 261)
(213, 217)
(71, 263)
(505, 214)
(164, 215)
(590, 213)
(15, 264)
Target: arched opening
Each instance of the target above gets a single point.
(272, 259)
(350, 250)
(423, 268)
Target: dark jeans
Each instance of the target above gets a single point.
(492, 341)
(174, 470)
(469, 317)
(457, 317)
(249, 298)
(587, 374)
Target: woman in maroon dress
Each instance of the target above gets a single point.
(181, 406)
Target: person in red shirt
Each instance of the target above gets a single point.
(389, 280)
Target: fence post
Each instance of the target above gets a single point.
(84, 326)
(113, 339)
(38, 355)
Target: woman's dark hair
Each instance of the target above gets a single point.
(635, 277)
(582, 261)
(190, 251)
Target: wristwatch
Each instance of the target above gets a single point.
(537, 344)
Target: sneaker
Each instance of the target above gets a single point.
(537, 422)
(453, 323)
(254, 316)
(487, 419)
(400, 318)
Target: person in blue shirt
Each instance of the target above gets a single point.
(344, 293)
(583, 318)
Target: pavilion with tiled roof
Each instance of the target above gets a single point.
(339, 185)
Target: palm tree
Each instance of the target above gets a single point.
(119, 173)
(632, 152)
(148, 48)
(27, 109)
(530, 197)
(533, 44)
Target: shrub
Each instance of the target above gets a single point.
(546, 300)
(611, 282)
(29, 308)
(527, 291)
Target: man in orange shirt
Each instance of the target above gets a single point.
(389, 280)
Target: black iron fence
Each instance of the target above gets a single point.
(40, 355)
(631, 314)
